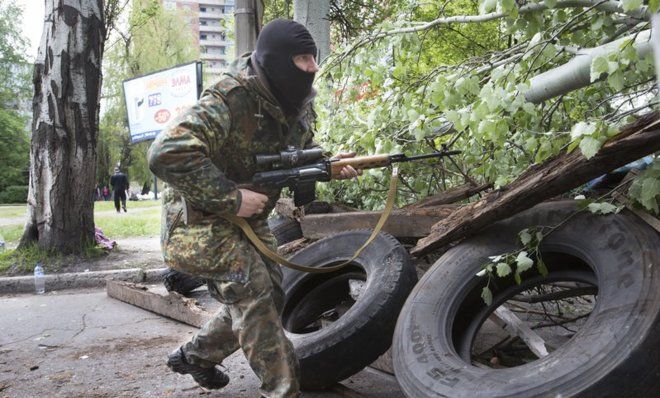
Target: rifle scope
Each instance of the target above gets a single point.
(291, 157)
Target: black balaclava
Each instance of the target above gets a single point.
(277, 43)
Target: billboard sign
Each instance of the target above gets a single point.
(154, 100)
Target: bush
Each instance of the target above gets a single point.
(14, 194)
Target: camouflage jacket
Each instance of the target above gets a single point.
(204, 156)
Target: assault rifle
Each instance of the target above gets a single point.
(300, 169)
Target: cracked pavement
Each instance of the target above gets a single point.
(82, 343)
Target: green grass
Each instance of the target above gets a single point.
(110, 205)
(13, 262)
(11, 211)
(143, 223)
(142, 219)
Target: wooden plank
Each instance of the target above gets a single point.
(172, 305)
(403, 223)
(516, 327)
(384, 363)
(647, 217)
(541, 182)
(345, 391)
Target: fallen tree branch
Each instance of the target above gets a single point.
(541, 182)
(641, 13)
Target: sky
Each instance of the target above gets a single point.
(32, 24)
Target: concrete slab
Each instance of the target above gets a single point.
(83, 343)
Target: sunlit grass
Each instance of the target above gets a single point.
(143, 223)
(142, 219)
(11, 211)
(16, 262)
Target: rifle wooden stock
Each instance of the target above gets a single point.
(362, 162)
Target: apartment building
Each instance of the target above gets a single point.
(207, 22)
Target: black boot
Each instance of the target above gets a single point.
(210, 378)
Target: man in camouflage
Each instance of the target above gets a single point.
(207, 158)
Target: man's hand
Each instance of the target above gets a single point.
(348, 171)
(251, 203)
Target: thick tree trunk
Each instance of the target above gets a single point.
(67, 83)
(314, 15)
(541, 182)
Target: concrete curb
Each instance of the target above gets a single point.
(76, 280)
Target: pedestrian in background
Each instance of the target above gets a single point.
(119, 183)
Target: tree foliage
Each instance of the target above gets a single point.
(154, 38)
(14, 94)
(455, 73)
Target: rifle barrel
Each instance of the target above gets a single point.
(425, 156)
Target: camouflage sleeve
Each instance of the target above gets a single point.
(180, 156)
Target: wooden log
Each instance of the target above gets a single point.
(540, 182)
(451, 195)
(172, 305)
(402, 223)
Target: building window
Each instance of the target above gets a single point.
(202, 9)
(202, 37)
(203, 23)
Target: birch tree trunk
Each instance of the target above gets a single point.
(314, 15)
(67, 83)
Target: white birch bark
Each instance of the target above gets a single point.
(576, 73)
(67, 83)
(314, 15)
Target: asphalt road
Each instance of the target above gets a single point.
(84, 344)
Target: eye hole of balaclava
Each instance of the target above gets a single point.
(277, 44)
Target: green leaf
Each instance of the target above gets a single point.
(487, 6)
(540, 266)
(487, 295)
(631, 4)
(590, 146)
(582, 128)
(516, 276)
(650, 189)
(598, 67)
(615, 80)
(503, 269)
(523, 263)
(525, 236)
(550, 3)
(601, 208)
(654, 5)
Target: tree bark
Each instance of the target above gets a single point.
(314, 15)
(67, 85)
(538, 183)
(576, 73)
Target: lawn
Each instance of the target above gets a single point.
(142, 219)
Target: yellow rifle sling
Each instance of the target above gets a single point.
(247, 229)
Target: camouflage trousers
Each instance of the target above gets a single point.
(249, 319)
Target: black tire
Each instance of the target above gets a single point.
(179, 282)
(616, 351)
(364, 331)
(285, 229)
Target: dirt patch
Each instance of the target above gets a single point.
(129, 253)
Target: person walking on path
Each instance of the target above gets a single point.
(119, 183)
(263, 105)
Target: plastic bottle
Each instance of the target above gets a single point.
(39, 279)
